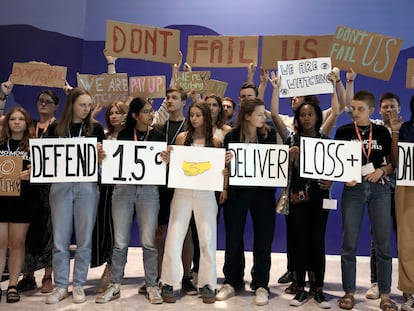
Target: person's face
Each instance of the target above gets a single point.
(17, 123)
(174, 102)
(115, 116)
(46, 105)
(228, 109)
(81, 107)
(246, 93)
(258, 117)
(296, 102)
(361, 112)
(145, 115)
(388, 105)
(308, 118)
(214, 107)
(196, 117)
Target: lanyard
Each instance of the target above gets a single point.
(44, 129)
(369, 140)
(145, 137)
(8, 146)
(176, 132)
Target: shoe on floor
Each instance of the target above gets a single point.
(47, 285)
(187, 287)
(226, 291)
(78, 295)
(287, 277)
(112, 292)
(207, 294)
(26, 283)
(409, 304)
(300, 298)
(292, 289)
(104, 281)
(321, 301)
(142, 290)
(153, 295)
(167, 293)
(373, 292)
(262, 297)
(58, 294)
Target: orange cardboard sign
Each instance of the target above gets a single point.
(105, 88)
(191, 80)
(368, 53)
(222, 51)
(147, 86)
(409, 83)
(38, 74)
(142, 42)
(281, 48)
(10, 167)
(215, 86)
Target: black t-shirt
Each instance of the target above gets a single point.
(76, 130)
(381, 142)
(153, 135)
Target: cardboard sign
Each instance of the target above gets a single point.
(215, 86)
(305, 77)
(409, 83)
(105, 88)
(197, 168)
(222, 51)
(335, 160)
(10, 167)
(142, 42)
(368, 53)
(191, 80)
(147, 86)
(38, 74)
(56, 160)
(277, 48)
(264, 165)
(134, 162)
(405, 171)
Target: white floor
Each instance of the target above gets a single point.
(130, 300)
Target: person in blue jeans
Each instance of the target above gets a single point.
(73, 204)
(144, 200)
(373, 192)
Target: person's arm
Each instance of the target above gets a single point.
(110, 61)
(175, 68)
(6, 88)
(274, 109)
(251, 69)
(264, 75)
(330, 122)
(395, 124)
(340, 90)
(349, 90)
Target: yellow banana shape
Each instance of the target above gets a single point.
(195, 168)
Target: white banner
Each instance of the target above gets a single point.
(305, 77)
(335, 160)
(405, 171)
(133, 162)
(263, 165)
(197, 168)
(57, 160)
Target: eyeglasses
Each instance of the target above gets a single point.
(45, 101)
(147, 111)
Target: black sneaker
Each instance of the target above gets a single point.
(167, 293)
(287, 277)
(26, 283)
(207, 294)
(300, 298)
(187, 287)
(321, 301)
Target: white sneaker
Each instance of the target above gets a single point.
(262, 297)
(153, 295)
(58, 294)
(226, 291)
(373, 292)
(111, 293)
(409, 304)
(78, 295)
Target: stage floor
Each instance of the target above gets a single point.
(131, 300)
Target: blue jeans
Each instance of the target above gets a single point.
(144, 199)
(378, 199)
(72, 204)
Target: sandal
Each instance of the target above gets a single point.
(347, 302)
(12, 294)
(388, 305)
